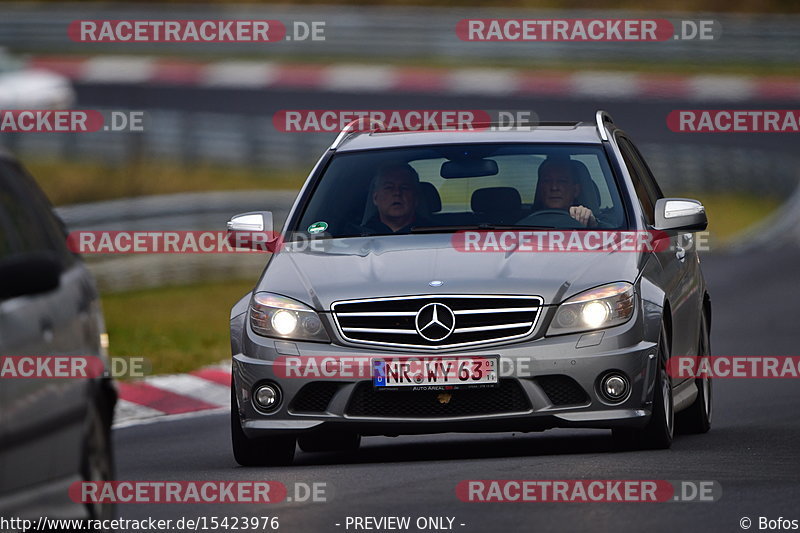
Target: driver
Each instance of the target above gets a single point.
(558, 188)
(396, 196)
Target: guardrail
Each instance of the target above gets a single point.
(404, 32)
(173, 212)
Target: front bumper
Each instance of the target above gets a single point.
(528, 400)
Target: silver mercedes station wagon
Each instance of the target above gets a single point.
(472, 281)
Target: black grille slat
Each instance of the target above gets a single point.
(455, 338)
(490, 319)
(372, 317)
(314, 397)
(402, 322)
(562, 390)
(508, 397)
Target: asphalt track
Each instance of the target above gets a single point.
(751, 450)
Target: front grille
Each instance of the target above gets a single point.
(562, 390)
(508, 397)
(462, 320)
(314, 397)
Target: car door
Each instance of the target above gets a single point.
(689, 310)
(41, 415)
(21, 322)
(678, 261)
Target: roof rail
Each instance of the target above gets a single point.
(601, 118)
(350, 129)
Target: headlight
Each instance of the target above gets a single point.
(283, 318)
(603, 307)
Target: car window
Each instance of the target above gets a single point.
(7, 240)
(646, 190)
(465, 185)
(26, 219)
(649, 180)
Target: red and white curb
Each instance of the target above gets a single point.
(176, 396)
(377, 78)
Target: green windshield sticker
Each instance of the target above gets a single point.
(318, 227)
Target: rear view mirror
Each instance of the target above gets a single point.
(680, 214)
(29, 273)
(469, 168)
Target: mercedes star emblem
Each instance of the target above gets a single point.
(435, 322)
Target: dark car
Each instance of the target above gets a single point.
(55, 431)
(405, 249)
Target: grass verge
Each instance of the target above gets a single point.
(76, 182)
(731, 213)
(176, 329)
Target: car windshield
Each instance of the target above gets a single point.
(445, 188)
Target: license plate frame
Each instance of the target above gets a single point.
(446, 378)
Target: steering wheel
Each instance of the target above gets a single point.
(551, 217)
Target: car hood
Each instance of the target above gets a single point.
(402, 265)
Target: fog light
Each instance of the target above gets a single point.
(267, 397)
(614, 387)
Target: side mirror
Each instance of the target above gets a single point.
(252, 221)
(680, 214)
(29, 273)
(252, 230)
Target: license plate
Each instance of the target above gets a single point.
(435, 372)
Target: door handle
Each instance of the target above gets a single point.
(681, 254)
(46, 331)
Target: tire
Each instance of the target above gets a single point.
(97, 461)
(697, 417)
(659, 431)
(330, 442)
(266, 451)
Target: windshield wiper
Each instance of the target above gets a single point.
(450, 229)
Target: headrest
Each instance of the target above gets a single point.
(589, 195)
(496, 199)
(429, 199)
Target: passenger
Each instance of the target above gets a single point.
(558, 188)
